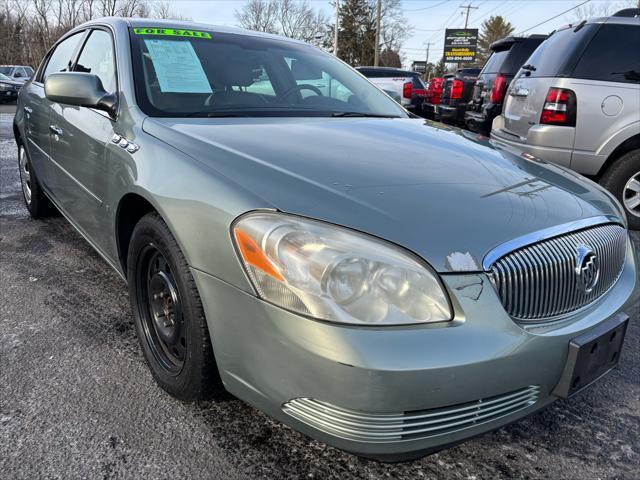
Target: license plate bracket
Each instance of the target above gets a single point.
(592, 355)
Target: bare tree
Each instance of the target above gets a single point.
(258, 15)
(291, 18)
(604, 9)
(28, 28)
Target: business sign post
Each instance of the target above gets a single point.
(460, 45)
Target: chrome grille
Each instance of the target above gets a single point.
(413, 425)
(541, 281)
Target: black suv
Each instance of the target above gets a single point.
(456, 93)
(508, 55)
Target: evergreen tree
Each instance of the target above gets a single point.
(492, 29)
(357, 33)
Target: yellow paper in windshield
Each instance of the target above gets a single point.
(172, 32)
(177, 66)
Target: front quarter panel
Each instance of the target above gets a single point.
(197, 203)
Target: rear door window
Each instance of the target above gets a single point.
(613, 55)
(556, 56)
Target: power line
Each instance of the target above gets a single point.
(426, 8)
(554, 17)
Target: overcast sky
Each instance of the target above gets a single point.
(425, 16)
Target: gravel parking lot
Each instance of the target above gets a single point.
(77, 400)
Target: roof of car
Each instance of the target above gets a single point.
(181, 24)
(506, 42)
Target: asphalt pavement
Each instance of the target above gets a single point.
(77, 400)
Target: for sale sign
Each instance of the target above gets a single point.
(460, 45)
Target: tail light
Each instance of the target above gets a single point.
(499, 87)
(559, 108)
(407, 90)
(456, 89)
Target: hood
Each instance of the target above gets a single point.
(15, 83)
(447, 195)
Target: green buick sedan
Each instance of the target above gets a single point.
(291, 234)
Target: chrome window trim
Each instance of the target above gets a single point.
(535, 237)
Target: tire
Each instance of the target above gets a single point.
(37, 203)
(168, 314)
(622, 179)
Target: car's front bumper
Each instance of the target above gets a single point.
(347, 379)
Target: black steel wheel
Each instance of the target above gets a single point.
(168, 313)
(162, 319)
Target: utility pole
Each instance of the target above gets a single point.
(376, 58)
(426, 62)
(335, 33)
(467, 7)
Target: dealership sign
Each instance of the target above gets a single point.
(460, 45)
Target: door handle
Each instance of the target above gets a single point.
(28, 110)
(56, 130)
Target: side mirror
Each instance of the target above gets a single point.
(82, 89)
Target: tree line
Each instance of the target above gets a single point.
(28, 28)
(356, 26)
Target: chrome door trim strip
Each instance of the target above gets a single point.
(85, 189)
(535, 237)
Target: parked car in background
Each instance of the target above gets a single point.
(19, 73)
(576, 102)
(508, 55)
(456, 93)
(432, 99)
(8, 89)
(354, 272)
(405, 84)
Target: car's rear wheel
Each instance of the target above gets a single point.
(168, 313)
(36, 201)
(622, 178)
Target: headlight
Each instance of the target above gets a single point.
(5, 87)
(333, 273)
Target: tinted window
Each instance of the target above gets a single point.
(29, 71)
(213, 74)
(19, 73)
(61, 56)
(517, 56)
(6, 70)
(495, 62)
(613, 55)
(97, 58)
(555, 55)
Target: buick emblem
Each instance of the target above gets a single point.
(587, 268)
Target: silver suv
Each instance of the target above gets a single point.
(576, 102)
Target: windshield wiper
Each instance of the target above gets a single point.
(362, 114)
(529, 67)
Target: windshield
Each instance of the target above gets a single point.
(209, 74)
(5, 70)
(4, 77)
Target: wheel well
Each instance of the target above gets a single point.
(628, 145)
(131, 209)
